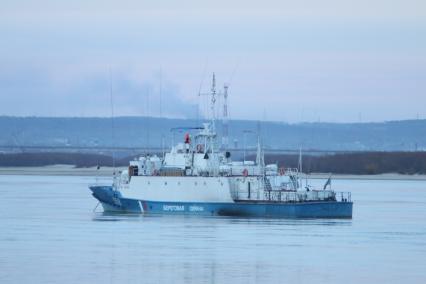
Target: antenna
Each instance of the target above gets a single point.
(202, 78)
(301, 169)
(260, 156)
(161, 85)
(199, 91)
(112, 120)
(162, 146)
(147, 117)
(225, 138)
(161, 111)
(213, 100)
(245, 132)
(225, 113)
(233, 73)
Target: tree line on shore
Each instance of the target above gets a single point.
(79, 160)
(369, 163)
(344, 163)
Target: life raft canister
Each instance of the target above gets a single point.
(187, 138)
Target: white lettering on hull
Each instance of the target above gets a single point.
(196, 208)
(192, 208)
(173, 208)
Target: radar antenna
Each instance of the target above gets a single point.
(213, 101)
(225, 117)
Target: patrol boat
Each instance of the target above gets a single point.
(196, 177)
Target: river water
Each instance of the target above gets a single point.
(50, 234)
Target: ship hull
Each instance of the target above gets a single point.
(112, 201)
(277, 210)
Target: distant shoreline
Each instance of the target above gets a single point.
(363, 163)
(59, 170)
(68, 170)
(389, 176)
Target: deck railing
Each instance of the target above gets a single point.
(293, 196)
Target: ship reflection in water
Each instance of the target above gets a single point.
(49, 234)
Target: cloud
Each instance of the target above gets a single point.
(38, 93)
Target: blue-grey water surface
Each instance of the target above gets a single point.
(49, 234)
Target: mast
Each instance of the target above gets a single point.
(225, 118)
(300, 160)
(147, 119)
(213, 101)
(213, 95)
(260, 156)
(212, 129)
(299, 172)
(161, 112)
(112, 121)
(160, 93)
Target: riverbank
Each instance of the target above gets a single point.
(68, 170)
(389, 176)
(361, 163)
(60, 170)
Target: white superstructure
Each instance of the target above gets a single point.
(195, 171)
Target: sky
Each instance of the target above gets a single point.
(290, 61)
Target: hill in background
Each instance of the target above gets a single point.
(408, 135)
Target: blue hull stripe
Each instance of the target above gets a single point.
(326, 209)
